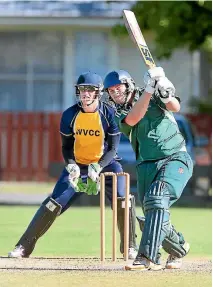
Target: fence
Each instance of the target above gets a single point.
(30, 142)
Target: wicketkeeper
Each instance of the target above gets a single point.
(90, 138)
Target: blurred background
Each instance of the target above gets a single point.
(45, 45)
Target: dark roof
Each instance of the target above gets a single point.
(74, 8)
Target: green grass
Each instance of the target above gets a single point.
(104, 279)
(27, 187)
(77, 231)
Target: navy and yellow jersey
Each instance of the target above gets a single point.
(156, 135)
(89, 131)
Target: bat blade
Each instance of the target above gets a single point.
(137, 37)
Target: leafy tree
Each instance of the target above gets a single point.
(178, 24)
(201, 105)
(175, 24)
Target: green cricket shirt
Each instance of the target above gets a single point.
(156, 135)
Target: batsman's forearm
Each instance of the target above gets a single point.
(173, 105)
(139, 110)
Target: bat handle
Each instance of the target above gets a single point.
(151, 65)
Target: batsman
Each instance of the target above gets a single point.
(90, 138)
(163, 168)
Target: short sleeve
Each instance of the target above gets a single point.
(113, 126)
(65, 127)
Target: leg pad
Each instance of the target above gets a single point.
(132, 221)
(40, 223)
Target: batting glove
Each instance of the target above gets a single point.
(93, 171)
(151, 77)
(165, 89)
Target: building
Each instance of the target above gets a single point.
(45, 45)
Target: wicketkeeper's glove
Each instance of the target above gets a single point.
(74, 174)
(80, 186)
(93, 187)
(93, 171)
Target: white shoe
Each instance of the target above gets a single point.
(173, 262)
(143, 264)
(18, 252)
(132, 253)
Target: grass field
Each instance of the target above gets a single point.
(103, 279)
(67, 235)
(26, 187)
(77, 233)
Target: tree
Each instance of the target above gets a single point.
(175, 24)
(178, 24)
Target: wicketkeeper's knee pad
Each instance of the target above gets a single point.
(40, 223)
(132, 221)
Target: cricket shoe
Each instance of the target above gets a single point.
(132, 253)
(143, 264)
(174, 262)
(17, 252)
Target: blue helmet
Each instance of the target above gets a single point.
(90, 79)
(119, 77)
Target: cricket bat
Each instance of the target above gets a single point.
(135, 33)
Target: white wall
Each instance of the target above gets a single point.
(68, 76)
(119, 53)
